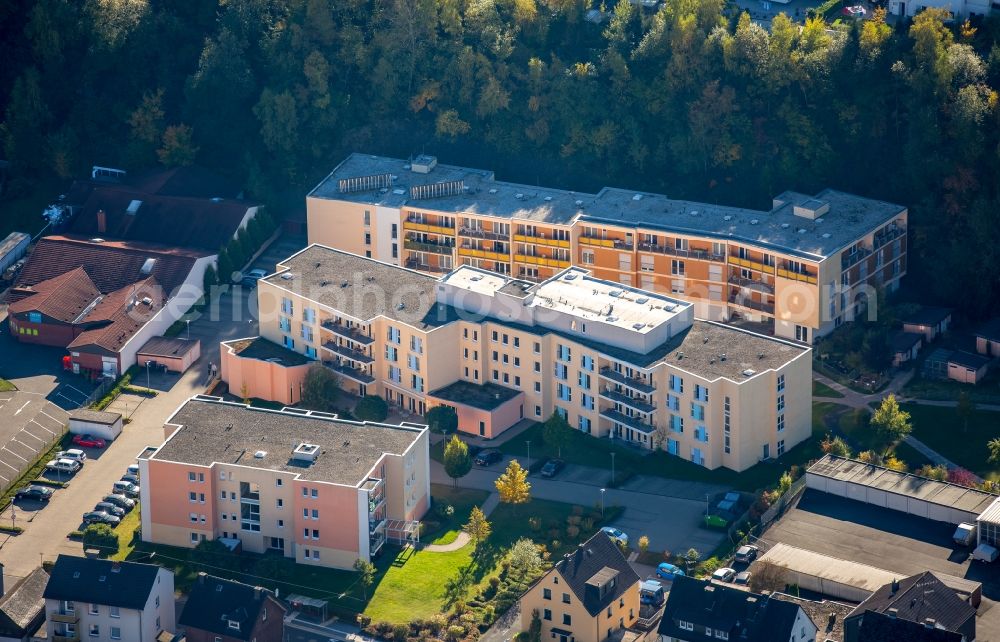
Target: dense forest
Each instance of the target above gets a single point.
(692, 99)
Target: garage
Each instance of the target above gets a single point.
(988, 525)
(173, 353)
(878, 486)
(106, 425)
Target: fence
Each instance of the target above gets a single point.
(777, 509)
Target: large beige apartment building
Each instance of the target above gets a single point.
(616, 361)
(307, 486)
(805, 266)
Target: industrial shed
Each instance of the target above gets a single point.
(920, 496)
(851, 581)
(988, 525)
(174, 353)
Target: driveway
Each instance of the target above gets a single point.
(38, 369)
(672, 522)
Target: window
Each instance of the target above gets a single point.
(233, 625)
(281, 523)
(538, 386)
(286, 306)
(95, 609)
(567, 619)
(547, 614)
(493, 336)
(194, 538)
(288, 342)
(157, 603)
(95, 630)
(537, 348)
(565, 598)
(676, 384)
(193, 517)
(587, 257)
(315, 534)
(315, 513)
(781, 422)
(546, 594)
(685, 626)
(315, 554)
(192, 477)
(701, 393)
(677, 267)
(781, 383)
(781, 447)
(538, 411)
(280, 503)
(781, 402)
(314, 493)
(116, 633)
(279, 482)
(114, 612)
(697, 411)
(192, 497)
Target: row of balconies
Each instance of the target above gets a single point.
(633, 402)
(349, 354)
(425, 246)
(352, 334)
(354, 374)
(634, 383)
(702, 255)
(480, 233)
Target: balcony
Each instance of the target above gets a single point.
(805, 277)
(632, 402)
(376, 525)
(617, 244)
(632, 422)
(347, 353)
(541, 240)
(751, 265)
(888, 236)
(375, 543)
(752, 284)
(66, 637)
(351, 334)
(848, 261)
(634, 384)
(423, 246)
(701, 255)
(750, 304)
(489, 255)
(541, 260)
(411, 224)
(354, 374)
(479, 233)
(64, 618)
(413, 264)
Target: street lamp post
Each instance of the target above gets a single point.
(613, 467)
(602, 503)
(188, 322)
(147, 372)
(529, 453)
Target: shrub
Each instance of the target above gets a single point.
(535, 524)
(587, 524)
(578, 510)
(371, 408)
(100, 536)
(455, 632)
(400, 632)
(445, 510)
(572, 531)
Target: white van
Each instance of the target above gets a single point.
(985, 553)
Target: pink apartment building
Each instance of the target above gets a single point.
(315, 488)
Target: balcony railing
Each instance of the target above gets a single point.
(490, 255)
(415, 225)
(751, 265)
(848, 261)
(632, 422)
(376, 525)
(887, 236)
(375, 543)
(702, 255)
(422, 246)
(751, 304)
(351, 334)
(633, 402)
(355, 374)
(66, 637)
(541, 240)
(634, 384)
(426, 267)
(618, 244)
(65, 618)
(479, 233)
(752, 284)
(805, 277)
(541, 260)
(347, 353)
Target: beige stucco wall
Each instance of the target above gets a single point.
(584, 627)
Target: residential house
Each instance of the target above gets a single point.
(616, 362)
(700, 610)
(928, 321)
(99, 599)
(966, 367)
(220, 610)
(873, 626)
(304, 485)
(803, 267)
(904, 347)
(22, 608)
(923, 600)
(590, 595)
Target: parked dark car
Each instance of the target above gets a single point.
(488, 457)
(36, 493)
(121, 501)
(100, 517)
(552, 467)
(110, 509)
(746, 554)
(131, 478)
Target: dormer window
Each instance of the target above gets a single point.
(234, 625)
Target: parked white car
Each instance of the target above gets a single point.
(617, 535)
(73, 453)
(63, 466)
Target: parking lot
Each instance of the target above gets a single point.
(29, 424)
(886, 539)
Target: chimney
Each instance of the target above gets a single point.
(894, 588)
(930, 623)
(257, 590)
(893, 613)
(102, 222)
(201, 577)
(2, 590)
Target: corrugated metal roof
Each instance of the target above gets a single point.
(929, 490)
(829, 568)
(992, 513)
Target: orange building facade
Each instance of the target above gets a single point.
(804, 267)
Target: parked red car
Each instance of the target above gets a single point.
(89, 441)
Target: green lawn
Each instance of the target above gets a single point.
(820, 389)
(986, 391)
(126, 534)
(442, 529)
(6, 386)
(941, 429)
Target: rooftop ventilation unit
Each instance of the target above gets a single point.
(548, 198)
(570, 276)
(478, 277)
(819, 220)
(811, 209)
(642, 299)
(694, 212)
(638, 326)
(133, 207)
(423, 164)
(519, 196)
(147, 266)
(825, 235)
(754, 221)
(615, 293)
(399, 191)
(637, 197)
(287, 276)
(749, 372)
(727, 217)
(305, 452)
(364, 183)
(260, 454)
(579, 203)
(493, 190)
(785, 226)
(437, 190)
(802, 230)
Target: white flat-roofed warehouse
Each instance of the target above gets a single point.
(920, 496)
(988, 525)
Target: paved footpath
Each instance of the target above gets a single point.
(463, 538)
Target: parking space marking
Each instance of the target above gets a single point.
(41, 426)
(42, 412)
(33, 436)
(15, 440)
(5, 480)
(14, 453)
(26, 404)
(8, 465)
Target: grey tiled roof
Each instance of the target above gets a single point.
(596, 561)
(79, 579)
(23, 604)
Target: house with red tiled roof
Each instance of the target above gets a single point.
(102, 300)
